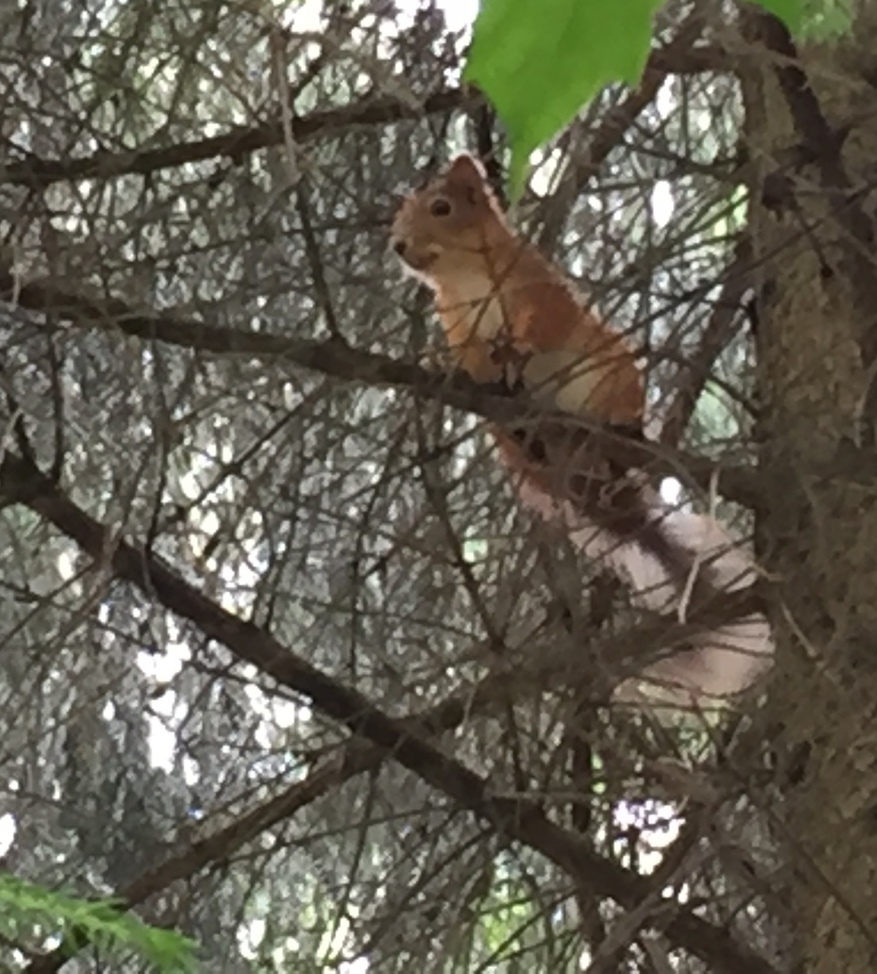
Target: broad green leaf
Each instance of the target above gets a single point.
(540, 62)
(789, 11)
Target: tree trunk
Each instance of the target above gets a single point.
(817, 338)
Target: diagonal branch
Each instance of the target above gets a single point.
(520, 819)
(38, 173)
(719, 330)
(353, 758)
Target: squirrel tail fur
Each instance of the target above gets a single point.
(717, 663)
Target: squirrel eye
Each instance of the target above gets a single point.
(440, 207)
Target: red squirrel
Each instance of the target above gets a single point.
(512, 317)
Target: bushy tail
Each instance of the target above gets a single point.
(718, 663)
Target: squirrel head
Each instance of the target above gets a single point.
(451, 225)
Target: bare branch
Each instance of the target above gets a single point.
(719, 330)
(37, 173)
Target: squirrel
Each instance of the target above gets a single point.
(513, 319)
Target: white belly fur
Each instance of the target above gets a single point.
(566, 380)
(479, 308)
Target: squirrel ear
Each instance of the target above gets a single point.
(467, 169)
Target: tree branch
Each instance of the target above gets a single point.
(38, 173)
(693, 376)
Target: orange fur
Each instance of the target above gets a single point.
(502, 304)
(510, 315)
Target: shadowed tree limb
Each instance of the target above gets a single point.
(693, 376)
(236, 143)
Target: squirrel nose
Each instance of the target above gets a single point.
(399, 247)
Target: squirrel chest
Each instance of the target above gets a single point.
(536, 334)
(478, 320)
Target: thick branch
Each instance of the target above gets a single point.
(37, 173)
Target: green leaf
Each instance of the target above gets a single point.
(539, 62)
(24, 904)
(790, 12)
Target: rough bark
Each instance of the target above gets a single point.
(813, 240)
